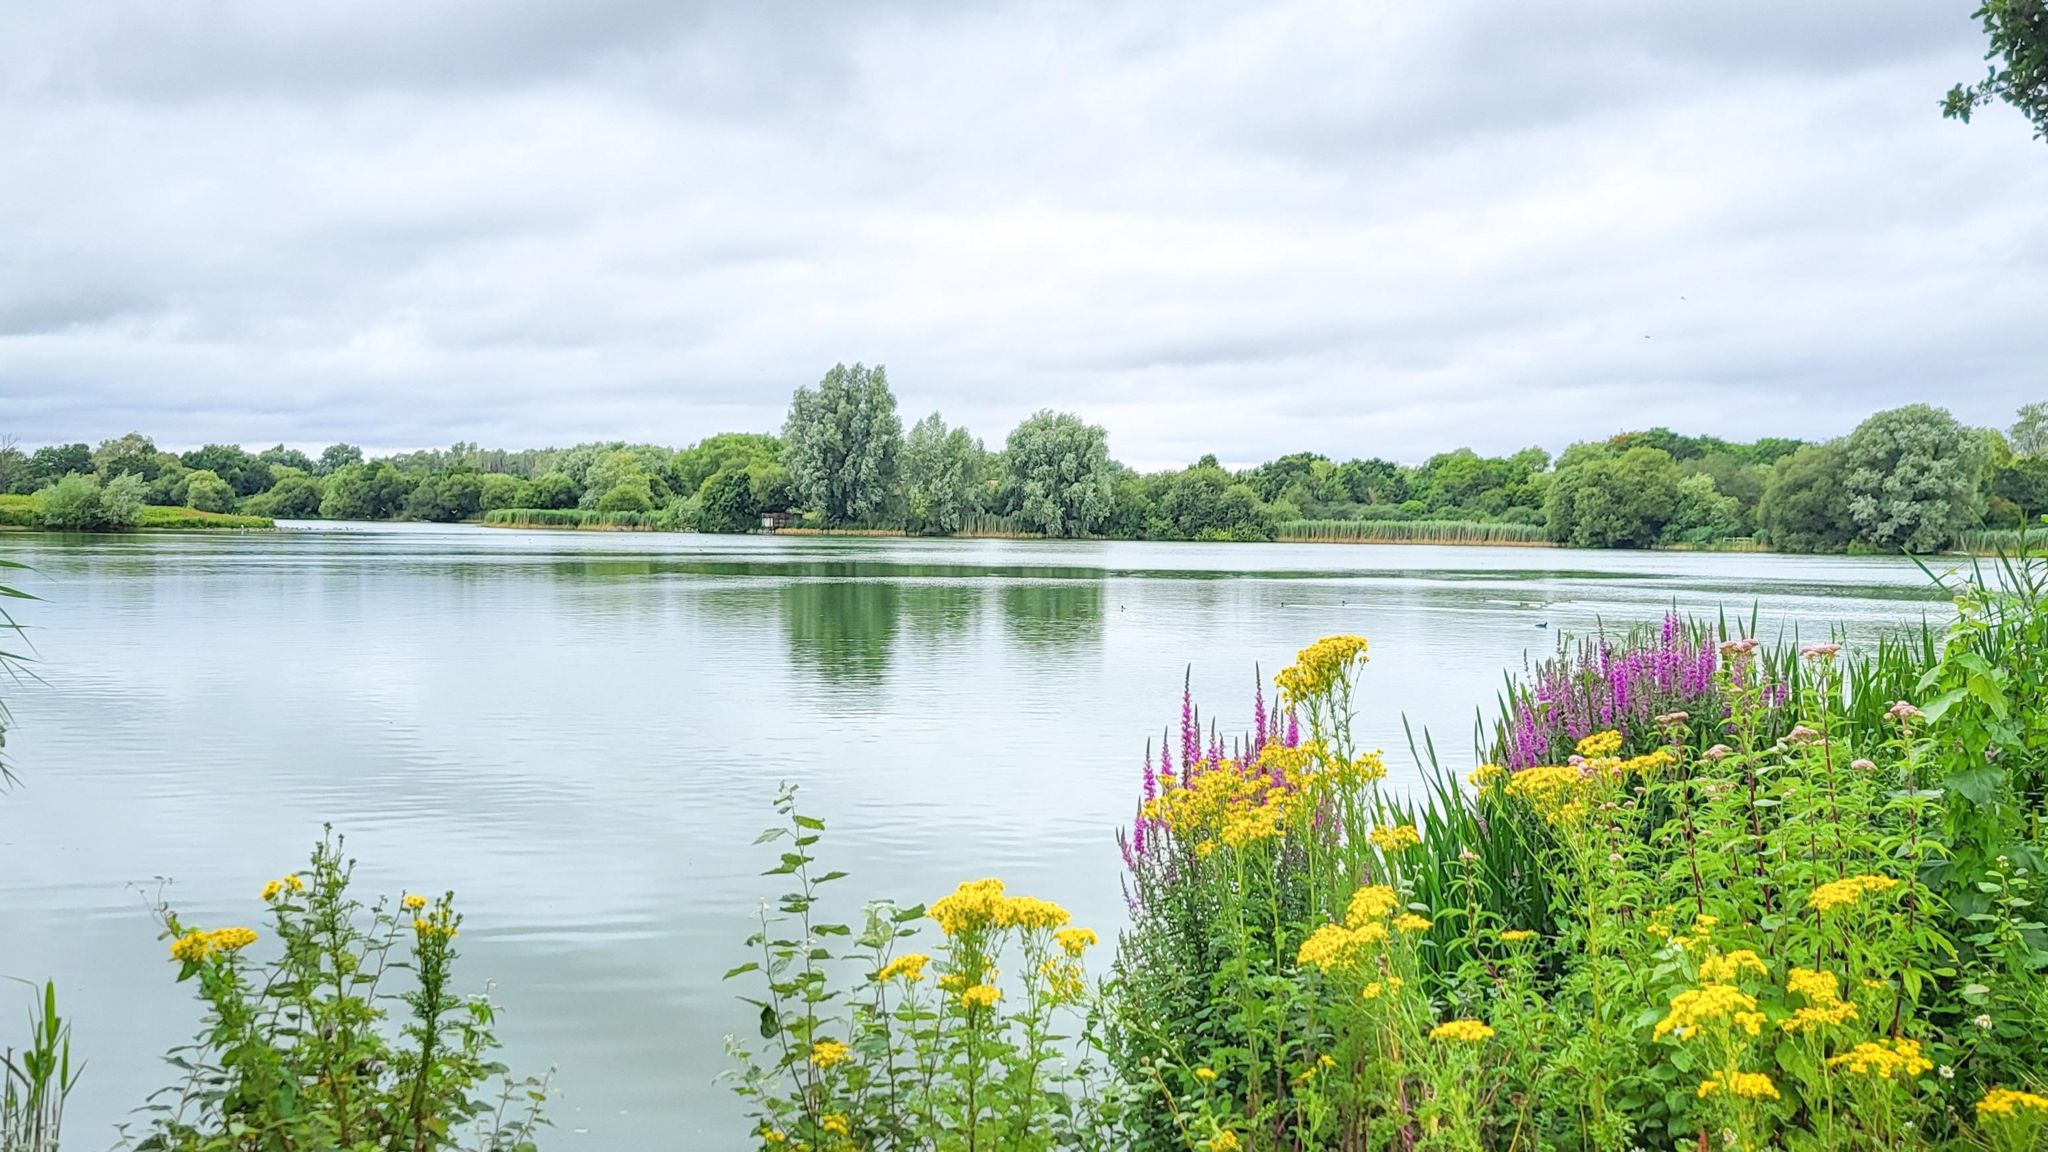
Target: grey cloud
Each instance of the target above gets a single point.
(1245, 228)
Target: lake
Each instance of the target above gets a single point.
(581, 734)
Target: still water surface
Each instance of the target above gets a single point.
(581, 733)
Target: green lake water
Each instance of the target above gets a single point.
(581, 734)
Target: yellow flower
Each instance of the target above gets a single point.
(910, 966)
(1064, 980)
(2009, 1102)
(1557, 793)
(1393, 838)
(272, 890)
(835, 1123)
(1836, 893)
(1600, 744)
(773, 1135)
(1378, 988)
(1883, 1059)
(1370, 903)
(195, 945)
(1462, 1031)
(1076, 940)
(1824, 1003)
(1032, 914)
(1696, 1008)
(974, 904)
(1517, 935)
(1334, 946)
(980, 996)
(1410, 922)
(1485, 774)
(1205, 1074)
(190, 948)
(415, 902)
(1224, 1141)
(1744, 1085)
(1725, 969)
(826, 1053)
(1319, 667)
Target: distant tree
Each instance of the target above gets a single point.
(1059, 469)
(1804, 507)
(445, 499)
(737, 451)
(121, 500)
(1702, 515)
(2029, 434)
(78, 502)
(2023, 483)
(1600, 499)
(373, 491)
(1373, 482)
(208, 492)
(726, 502)
(1205, 503)
(552, 490)
(281, 456)
(625, 467)
(1912, 478)
(295, 496)
(131, 453)
(840, 444)
(632, 494)
(499, 490)
(246, 474)
(51, 463)
(2018, 72)
(14, 464)
(942, 469)
(335, 457)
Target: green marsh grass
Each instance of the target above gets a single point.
(1412, 532)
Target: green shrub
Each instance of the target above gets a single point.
(78, 503)
(301, 1050)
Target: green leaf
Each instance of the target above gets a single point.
(769, 1025)
(749, 966)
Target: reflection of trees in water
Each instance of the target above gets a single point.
(844, 629)
(937, 611)
(1053, 614)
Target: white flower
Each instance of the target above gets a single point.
(1983, 1022)
(1947, 1073)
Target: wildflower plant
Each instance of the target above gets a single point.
(866, 1042)
(337, 1026)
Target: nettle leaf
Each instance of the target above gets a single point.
(749, 966)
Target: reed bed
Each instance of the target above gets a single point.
(1412, 532)
(159, 516)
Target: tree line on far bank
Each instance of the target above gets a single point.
(1907, 479)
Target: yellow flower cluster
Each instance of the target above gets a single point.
(836, 1123)
(980, 996)
(826, 1053)
(1240, 803)
(1516, 935)
(1824, 1004)
(441, 923)
(1064, 979)
(1395, 837)
(1075, 941)
(276, 888)
(414, 902)
(1697, 1008)
(1334, 946)
(1884, 1059)
(1370, 903)
(1836, 893)
(195, 945)
(1557, 792)
(1727, 969)
(978, 904)
(1600, 745)
(1462, 1031)
(910, 966)
(1410, 922)
(2009, 1102)
(1485, 774)
(1742, 1085)
(1318, 667)
(1379, 988)
(1224, 1141)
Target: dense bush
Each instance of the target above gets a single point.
(82, 504)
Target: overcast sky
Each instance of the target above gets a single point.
(1363, 229)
